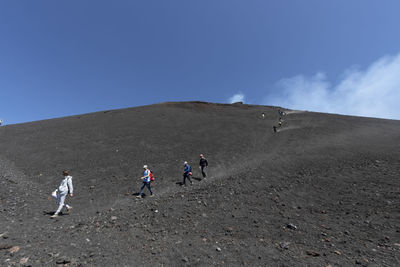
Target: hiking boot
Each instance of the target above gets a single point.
(152, 195)
(69, 208)
(54, 216)
(139, 196)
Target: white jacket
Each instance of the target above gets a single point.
(66, 186)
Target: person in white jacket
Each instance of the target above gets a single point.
(61, 193)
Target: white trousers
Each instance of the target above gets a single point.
(60, 202)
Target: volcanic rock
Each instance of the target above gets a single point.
(257, 180)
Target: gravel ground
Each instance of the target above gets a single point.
(322, 191)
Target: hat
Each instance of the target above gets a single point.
(65, 172)
(185, 162)
(144, 166)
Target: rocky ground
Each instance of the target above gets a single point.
(322, 191)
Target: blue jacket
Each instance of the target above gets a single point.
(187, 168)
(146, 173)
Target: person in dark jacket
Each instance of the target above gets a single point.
(187, 173)
(203, 164)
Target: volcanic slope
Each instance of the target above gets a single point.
(323, 190)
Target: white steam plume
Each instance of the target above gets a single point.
(374, 92)
(236, 98)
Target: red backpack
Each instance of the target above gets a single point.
(152, 178)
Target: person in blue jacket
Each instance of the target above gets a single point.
(187, 173)
(146, 182)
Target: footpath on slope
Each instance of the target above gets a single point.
(35, 226)
(263, 149)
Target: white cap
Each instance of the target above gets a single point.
(144, 166)
(185, 162)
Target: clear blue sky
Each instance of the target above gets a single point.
(60, 58)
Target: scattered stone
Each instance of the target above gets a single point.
(185, 259)
(291, 226)
(5, 246)
(338, 252)
(284, 245)
(63, 261)
(397, 244)
(114, 218)
(4, 235)
(14, 249)
(218, 249)
(312, 253)
(23, 260)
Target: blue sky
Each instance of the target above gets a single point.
(60, 58)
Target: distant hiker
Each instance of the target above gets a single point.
(187, 173)
(61, 193)
(263, 115)
(274, 127)
(146, 181)
(280, 122)
(281, 113)
(203, 165)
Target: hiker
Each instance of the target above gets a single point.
(274, 127)
(280, 122)
(187, 173)
(146, 182)
(203, 164)
(61, 193)
(263, 115)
